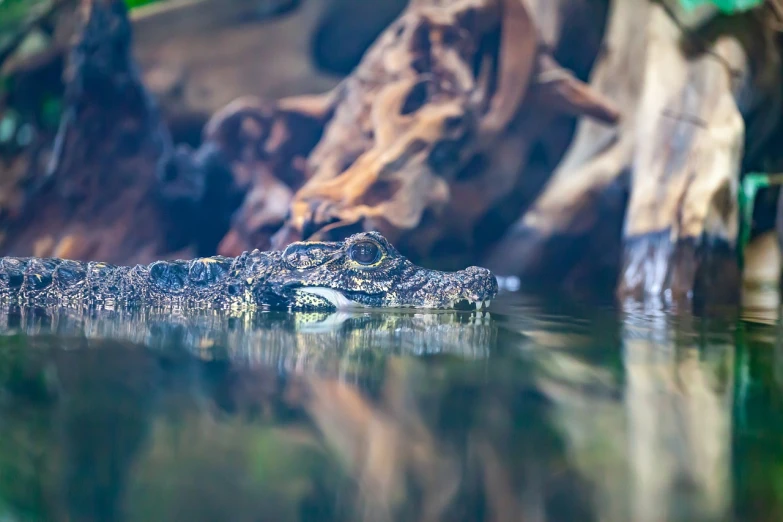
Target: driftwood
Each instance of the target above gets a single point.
(99, 199)
(676, 157)
(177, 73)
(421, 141)
(29, 78)
(256, 152)
(682, 222)
(545, 242)
(430, 103)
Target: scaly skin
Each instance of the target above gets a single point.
(365, 270)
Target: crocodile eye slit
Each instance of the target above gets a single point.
(365, 253)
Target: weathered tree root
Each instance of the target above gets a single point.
(682, 222)
(431, 101)
(676, 156)
(99, 200)
(255, 153)
(545, 242)
(424, 140)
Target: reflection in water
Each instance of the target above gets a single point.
(536, 412)
(678, 398)
(291, 340)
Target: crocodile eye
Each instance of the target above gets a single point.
(365, 252)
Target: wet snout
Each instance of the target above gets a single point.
(478, 286)
(469, 289)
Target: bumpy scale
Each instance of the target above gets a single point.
(365, 270)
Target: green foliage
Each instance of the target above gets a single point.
(757, 424)
(51, 110)
(253, 471)
(14, 12)
(28, 457)
(726, 6)
(132, 4)
(749, 189)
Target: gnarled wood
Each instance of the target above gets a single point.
(547, 242)
(432, 112)
(682, 221)
(99, 199)
(677, 151)
(255, 152)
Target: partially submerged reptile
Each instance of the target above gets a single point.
(365, 270)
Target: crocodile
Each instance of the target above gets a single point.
(363, 271)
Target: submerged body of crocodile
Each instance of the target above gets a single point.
(362, 271)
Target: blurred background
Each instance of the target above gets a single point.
(617, 160)
(135, 131)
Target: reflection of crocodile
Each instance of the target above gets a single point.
(296, 340)
(362, 271)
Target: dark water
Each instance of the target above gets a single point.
(537, 411)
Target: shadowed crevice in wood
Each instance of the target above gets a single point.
(586, 262)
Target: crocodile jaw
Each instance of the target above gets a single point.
(337, 298)
(341, 302)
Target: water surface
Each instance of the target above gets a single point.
(537, 411)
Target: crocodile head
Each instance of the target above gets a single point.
(366, 271)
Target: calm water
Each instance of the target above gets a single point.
(537, 411)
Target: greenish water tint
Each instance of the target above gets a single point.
(538, 411)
